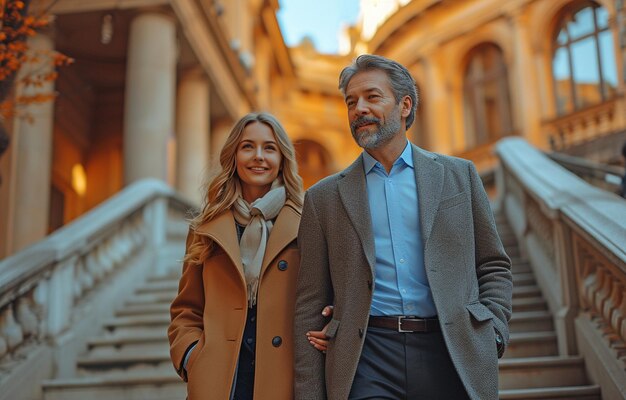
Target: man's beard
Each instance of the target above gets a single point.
(382, 135)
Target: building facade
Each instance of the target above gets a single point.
(153, 92)
(552, 72)
(157, 84)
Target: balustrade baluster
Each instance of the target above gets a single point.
(10, 329)
(27, 317)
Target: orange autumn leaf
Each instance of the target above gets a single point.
(15, 28)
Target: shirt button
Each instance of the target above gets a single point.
(403, 290)
(402, 261)
(249, 340)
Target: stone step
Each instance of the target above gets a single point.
(159, 287)
(526, 291)
(512, 250)
(127, 348)
(150, 298)
(523, 279)
(171, 277)
(138, 324)
(507, 237)
(541, 372)
(531, 321)
(153, 386)
(529, 304)
(125, 362)
(532, 344)
(508, 240)
(121, 341)
(520, 265)
(503, 223)
(145, 309)
(504, 229)
(161, 294)
(137, 320)
(585, 392)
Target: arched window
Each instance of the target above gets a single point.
(486, 96)
(583, 61)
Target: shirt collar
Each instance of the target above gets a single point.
(370, 162)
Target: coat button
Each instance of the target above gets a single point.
(277, 341)
(282, 265)
(361, 333)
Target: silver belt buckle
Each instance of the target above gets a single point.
(400, 318)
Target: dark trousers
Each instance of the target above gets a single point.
(395, 365)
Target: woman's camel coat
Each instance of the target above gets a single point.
(211, 308)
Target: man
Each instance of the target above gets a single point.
(404, 244)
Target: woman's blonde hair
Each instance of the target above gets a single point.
(221, 191)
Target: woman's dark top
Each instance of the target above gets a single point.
(244, 385)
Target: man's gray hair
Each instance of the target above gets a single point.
(402, 83)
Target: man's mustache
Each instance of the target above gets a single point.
(364, 121)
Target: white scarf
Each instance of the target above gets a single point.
(257, 218)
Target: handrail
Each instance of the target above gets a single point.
(81, 234)
(607, 177)
(41, 286)
(574, 236)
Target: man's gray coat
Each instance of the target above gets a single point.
(467, 268)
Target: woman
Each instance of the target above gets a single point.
(232, 320)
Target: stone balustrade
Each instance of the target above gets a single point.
(574, 235)
(45, 288)
(586, 125)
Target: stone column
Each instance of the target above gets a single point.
(438, 122)
(150, 96)
(192, 134)
(526, 103)
(219, 133)
(33, 160)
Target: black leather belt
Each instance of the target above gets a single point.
(405, 324)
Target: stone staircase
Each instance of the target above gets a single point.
(532, 367)
(130, 360)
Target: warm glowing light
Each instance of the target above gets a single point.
(79, 179)
(343, 38)
(374, 13)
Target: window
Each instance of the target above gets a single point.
(486, 96)
(583, 61)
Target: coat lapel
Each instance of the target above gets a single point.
(223, 232)
(429, 180)
(353, 192)
(284, 231)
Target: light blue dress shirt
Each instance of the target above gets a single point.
(401, 285)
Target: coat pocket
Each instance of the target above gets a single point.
(194, 354)
(332, 327)
(454, 200)
(479, 311)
